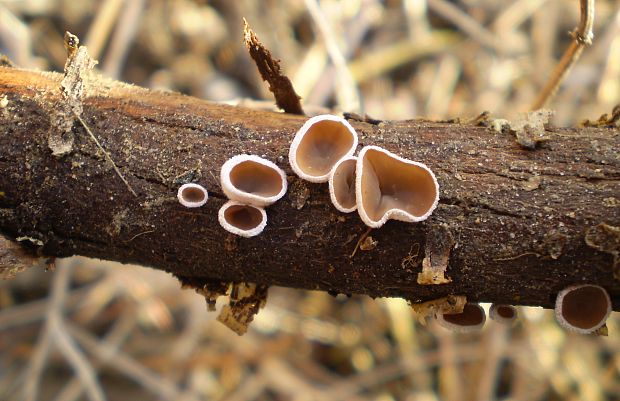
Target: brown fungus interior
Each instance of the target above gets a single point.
(584, 307)
(322, 146)
(344, 183)
(192, 194)
(388, 183)
(256, 178)
(472, 315)
(506, 312)
(243, 217)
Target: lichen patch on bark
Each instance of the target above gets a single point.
(606, 238)
(77, 67)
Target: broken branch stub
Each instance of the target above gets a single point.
(269, 69)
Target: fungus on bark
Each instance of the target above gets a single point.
(192, 195)
(342, 185)
(501, 313)
(582, 308)
(252, 180)
(471, 319)
(319, 144)
(243, 220)
(390, 187)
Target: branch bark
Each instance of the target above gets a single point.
(523, 223)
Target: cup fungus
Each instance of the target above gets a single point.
(390, 187)
(471, 319)
(240, 219)
(192, 195)
(582, 308)
(252, 180)
(319, 144)
(342, 185)
(505, 314)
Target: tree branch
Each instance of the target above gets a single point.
(518, 218)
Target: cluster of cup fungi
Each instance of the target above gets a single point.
(380, 186)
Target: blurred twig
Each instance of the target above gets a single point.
(468, 25)
(55, 332)
(99, 30)
(348, 96)
(582, 37)
(123, 38)
(105, 351)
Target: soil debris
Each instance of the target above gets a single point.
(447, 305)
(14, 258)
(246, 299)
(439, 243)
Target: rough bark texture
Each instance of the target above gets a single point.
(518, 218)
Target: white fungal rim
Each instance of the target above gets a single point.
(394, 214)
(458, 328)
(292, 154)
(559, 302)
(332, 190)
(236, 230)
(494, 314)
(188, 203)
(234, 193)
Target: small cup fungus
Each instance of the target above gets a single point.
(582, 308)
(505, 314)
(244, 220)
(319, 144)
(390, 187)
(471, 319)
(342, 185)
(252, 180)
(192, 195)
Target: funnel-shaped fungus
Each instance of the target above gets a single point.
(244, 220)
(471, 319)
(252, 180)
(192, 195)
(505, 314)
(582, 308)
(390, 187)
(342, 185)
(319, 144)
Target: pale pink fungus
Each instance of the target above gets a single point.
(192, 195)
(342, 185)
(505, 314)
(252, 180)
(319, 144)
(244, 220)
(582, 308)
(471, 319)
(390, 187)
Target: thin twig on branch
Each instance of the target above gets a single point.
(582, 37)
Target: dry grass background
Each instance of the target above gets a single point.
(95, 330)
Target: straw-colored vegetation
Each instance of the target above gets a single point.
(95, 330)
